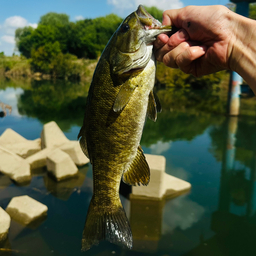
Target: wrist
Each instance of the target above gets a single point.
(243, 54)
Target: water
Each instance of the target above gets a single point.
(214, 153)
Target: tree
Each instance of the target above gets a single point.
(24, 42)
(44, 55)
(155, 12)
(252, 11)
(54, 19)
(90, 36)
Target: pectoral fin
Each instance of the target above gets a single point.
(152, 111)
(123, 96)
(82, 141)
(158, 104)
(138, 172)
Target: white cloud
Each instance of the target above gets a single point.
(15, 22)
(8, 39)
(79, 17)
(160, 147)
(10, 97)
(126, 6)
(33, 25)
(7, 32)
(184, 214)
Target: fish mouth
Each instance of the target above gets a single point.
(148, 21)
(152, 27)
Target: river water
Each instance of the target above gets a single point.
(216, 154)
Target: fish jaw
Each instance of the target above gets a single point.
(152, 27)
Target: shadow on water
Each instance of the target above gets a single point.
(214, 153)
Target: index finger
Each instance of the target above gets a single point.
(170, 17)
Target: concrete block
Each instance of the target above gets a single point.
(73, 149)
(17, 144)
(5, 221)
(14, 166)
(161, 184)
(25, 209)
(52, 135)
(60, 165)
(38, 160)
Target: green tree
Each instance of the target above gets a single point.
(89, 37)
(44, 55)
(82, 39)
(49, 34)
(252, 11)
(24, 42)
(155, 12)
(54, 19)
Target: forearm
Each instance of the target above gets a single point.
(243, 55)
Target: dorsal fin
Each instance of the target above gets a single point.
(138, 172)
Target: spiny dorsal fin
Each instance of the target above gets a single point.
(124, 96)
(138, 172)
(82, 141)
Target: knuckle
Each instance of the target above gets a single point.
(169, 61)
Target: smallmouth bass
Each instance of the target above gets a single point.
(120, 97)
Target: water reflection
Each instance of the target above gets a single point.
(214, 153)
(64, 189)
(4, 108)
(59, 101)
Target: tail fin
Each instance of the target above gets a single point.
(111, 224)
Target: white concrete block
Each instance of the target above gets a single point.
(161, 184)
(61, 165)
(14, 166)
(17, 144)
(156, 162)
(5, 221)
(9, 136)
(52, 135)
(174, 186)
(25, 209)
(73, 149)
(38, 160)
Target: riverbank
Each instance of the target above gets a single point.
(76, 69)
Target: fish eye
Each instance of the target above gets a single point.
(125, 27)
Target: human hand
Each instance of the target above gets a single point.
(204, 42)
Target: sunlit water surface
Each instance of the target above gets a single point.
(214, 153)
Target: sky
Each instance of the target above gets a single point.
(17, 13)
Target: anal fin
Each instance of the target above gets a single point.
(138, 172)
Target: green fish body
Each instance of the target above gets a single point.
(120, 97)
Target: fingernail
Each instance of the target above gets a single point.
(183, 34)
(203, 48)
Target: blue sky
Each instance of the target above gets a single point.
(17, 13)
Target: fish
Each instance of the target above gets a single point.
(119, 99)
